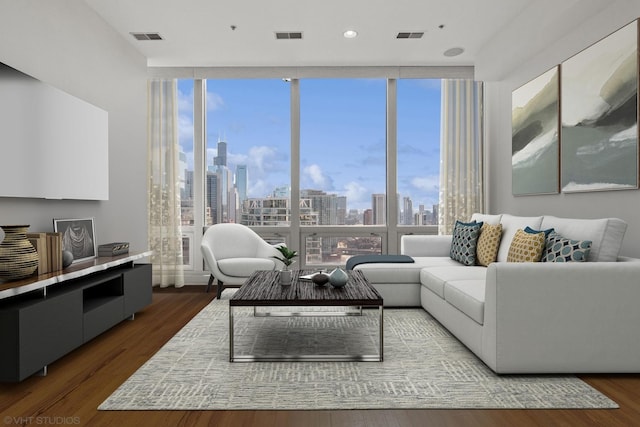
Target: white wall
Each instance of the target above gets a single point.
(65, 44)
(512, 74)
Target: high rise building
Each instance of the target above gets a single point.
(221, 158)
(187, 193)
(242, 183)
(379, 208)
(212, 197)
(341, 210)
(367, 217)
(282, 192)
(407, 211)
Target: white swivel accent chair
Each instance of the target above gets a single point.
(232, 252)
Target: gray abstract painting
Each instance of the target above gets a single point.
(600, 115)
(535, 136)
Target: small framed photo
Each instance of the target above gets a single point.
(78, 237)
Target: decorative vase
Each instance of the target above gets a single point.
(338, 278)
(285, 277)
(320, 278)
(18, 258)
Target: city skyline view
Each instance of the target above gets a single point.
(342, 134)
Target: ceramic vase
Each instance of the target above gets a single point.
(285, 277)
(338, 278)
(18, 258)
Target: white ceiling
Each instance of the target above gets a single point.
(198, 33)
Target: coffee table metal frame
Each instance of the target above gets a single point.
(357, 293)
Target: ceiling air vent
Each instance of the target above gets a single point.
(288, 35)
(406, 35)
(147, 36)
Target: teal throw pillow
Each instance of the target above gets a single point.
(561, 249)
(464, 242)
(532, 231)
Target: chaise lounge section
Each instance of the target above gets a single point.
(527, 317)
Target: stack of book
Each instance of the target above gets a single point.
(113, 249)
(49, 248)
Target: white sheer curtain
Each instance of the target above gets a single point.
(165, 234)
(461, 151)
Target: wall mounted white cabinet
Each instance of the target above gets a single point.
(52, 145)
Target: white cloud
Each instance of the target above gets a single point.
(261, 158)
(214, 101)
(314, 175)
(426, 183)
(185, 102)
(356, 193)
(259, 188)
(185, 129)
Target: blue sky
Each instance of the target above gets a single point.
(342, 125)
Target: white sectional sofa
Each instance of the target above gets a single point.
(542, 317)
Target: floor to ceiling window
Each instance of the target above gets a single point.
(248, 158)
(326, 137)
(342, 164)
(418, 136)
(185, 141)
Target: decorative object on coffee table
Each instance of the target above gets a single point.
(338, 278)
(321, 278)
(18, 257)
(287, 259)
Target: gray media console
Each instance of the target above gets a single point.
(39, 326)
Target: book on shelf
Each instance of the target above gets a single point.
(49, 248)
(54, 240)
(39, 243)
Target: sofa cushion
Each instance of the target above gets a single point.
(488, 244)
(467, 296)
(485, 218)
(403, 273)
(560, 249)
(606, 234)
(526, 247)
(243, 267)
(511, 224)
(434, 278)
(464, 241)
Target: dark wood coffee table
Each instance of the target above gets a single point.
(262, 289)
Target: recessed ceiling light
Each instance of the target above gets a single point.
(454, 51)
(349, 34)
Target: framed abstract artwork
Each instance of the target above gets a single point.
(535, 138)
(599, 92)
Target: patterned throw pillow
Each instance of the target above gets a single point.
(546, 232)
(561, 249)
(488, 244)
(463, 244)
(526, 247)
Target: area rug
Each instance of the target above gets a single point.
(424, 367)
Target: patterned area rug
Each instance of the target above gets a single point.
(424, 367)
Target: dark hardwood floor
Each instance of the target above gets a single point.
(80, 381)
